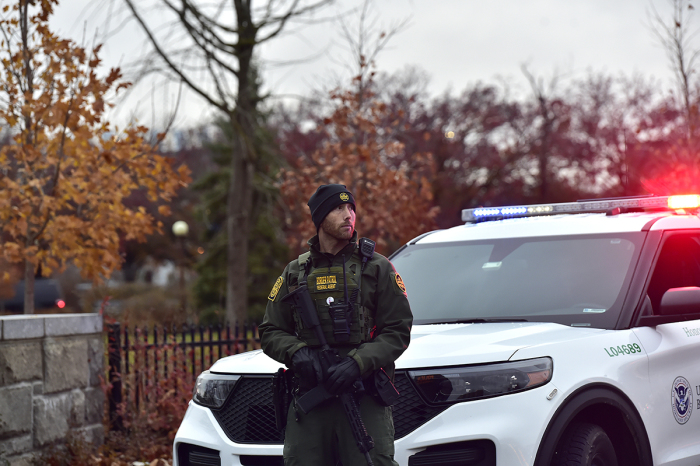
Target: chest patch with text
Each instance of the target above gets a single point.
(326, 282)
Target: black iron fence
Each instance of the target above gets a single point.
(140, 358)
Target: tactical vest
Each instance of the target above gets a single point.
(327, 282)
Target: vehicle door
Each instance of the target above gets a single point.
(673, 347)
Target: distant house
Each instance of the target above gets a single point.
(158, 273)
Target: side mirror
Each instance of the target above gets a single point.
(680, 301)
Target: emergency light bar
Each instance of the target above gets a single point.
(691, 201)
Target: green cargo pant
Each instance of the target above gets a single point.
(324, 435)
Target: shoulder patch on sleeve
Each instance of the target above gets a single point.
(276, 289)
(398, 283)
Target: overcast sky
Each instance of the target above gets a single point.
(456, 41)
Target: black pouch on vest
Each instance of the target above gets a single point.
(281, 396)
(382, 389)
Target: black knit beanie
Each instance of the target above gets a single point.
(326, 198)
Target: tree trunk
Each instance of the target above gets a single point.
(240, 192)
(237, 226)
(28, 287)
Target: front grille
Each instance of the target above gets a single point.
(249, 417)
(411, 411)
(250, 460)
(194, 455)
(471, 453)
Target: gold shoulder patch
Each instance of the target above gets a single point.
(276, 289)
(399, 282)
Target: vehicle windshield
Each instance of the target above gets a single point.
(573, 280)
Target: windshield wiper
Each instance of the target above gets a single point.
(475, 321)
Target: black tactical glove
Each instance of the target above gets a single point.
(342, 375)
(306, 364)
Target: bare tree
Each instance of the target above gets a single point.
(676, 36)
(208, 46)
(548, 125)
(365, 40)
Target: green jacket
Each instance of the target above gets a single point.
(382, 295)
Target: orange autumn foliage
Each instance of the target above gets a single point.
(64, 170)
(360, 149)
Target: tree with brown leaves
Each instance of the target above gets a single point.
(66, 171)
(357, 149)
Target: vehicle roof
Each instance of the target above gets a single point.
(566, 224)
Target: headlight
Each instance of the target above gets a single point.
(211, 390)
(466, 383)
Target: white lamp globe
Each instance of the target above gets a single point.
(180, 228)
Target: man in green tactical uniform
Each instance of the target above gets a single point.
(369, 336)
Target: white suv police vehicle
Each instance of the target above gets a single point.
(563, 334)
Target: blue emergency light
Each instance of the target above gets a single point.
(480, 214)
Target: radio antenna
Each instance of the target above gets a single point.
(345, 281)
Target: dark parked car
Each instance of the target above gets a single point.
(47, 295)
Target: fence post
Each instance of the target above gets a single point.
(218, 327)
(155, 354)
(202, 347)
(166, 360)
(137, 367)
(194, 357)
(245, 336)
(211, 346)
(235, 332)
(115, 378)
(183, 345)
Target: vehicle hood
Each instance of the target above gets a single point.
(442, 345)
(456, 344)
(250, 362)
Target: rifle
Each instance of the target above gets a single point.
(302, 301)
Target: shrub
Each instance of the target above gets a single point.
(155, 400)
(139, 304)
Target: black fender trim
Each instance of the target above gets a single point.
(579, 401)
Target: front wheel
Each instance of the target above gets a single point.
(585, 444)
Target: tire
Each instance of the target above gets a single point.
(585, 444)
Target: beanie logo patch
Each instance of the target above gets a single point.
(344, 197)
(276, 289)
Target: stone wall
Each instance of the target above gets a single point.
(50, 368)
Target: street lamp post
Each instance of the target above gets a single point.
(180, 230)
